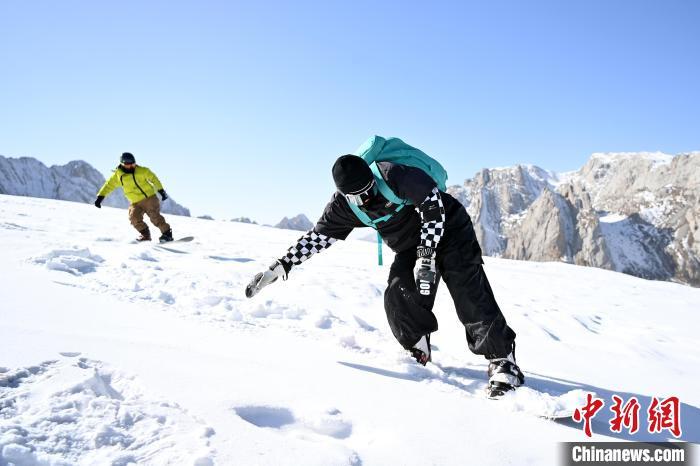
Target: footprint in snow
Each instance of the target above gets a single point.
(330, 423)
(325, 321)
(266, 416)
(145, 256)
(14, 378)
(166, 297)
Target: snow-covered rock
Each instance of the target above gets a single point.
(75, 181)
(635, 213)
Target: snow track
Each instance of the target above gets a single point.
(77, 411)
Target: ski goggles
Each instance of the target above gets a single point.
(362, 197)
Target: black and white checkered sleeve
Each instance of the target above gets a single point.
(311, 243)
(432, 214)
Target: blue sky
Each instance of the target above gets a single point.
(241, 108)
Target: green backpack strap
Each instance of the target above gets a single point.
(379, 149)
(384, 187)
(386, 191)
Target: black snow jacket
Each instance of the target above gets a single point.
(402, 231)
(405, 230)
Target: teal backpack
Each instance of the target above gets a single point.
(378, 149)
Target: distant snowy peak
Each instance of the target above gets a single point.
(76, 181)
(656, 158)
(300, 223)
(512, 183)
(632, 212)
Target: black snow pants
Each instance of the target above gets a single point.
(459, 264)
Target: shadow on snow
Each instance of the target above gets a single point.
(689, 414)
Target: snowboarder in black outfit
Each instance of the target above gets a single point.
(434, 240)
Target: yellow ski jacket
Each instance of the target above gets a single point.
(137, 186)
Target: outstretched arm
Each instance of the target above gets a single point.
(337, 220)
(311, 243)
(109, 186)
(308, 245)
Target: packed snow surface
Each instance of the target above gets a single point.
(118, 353)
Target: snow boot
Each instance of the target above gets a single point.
(145, 235)
(421, 350)
(504, 375)
(166, 236)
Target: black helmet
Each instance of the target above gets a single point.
(127, 157)
(351, 174)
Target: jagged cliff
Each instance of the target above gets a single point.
(636, 213)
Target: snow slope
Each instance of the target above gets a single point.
(113, 353)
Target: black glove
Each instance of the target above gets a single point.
(98, 201)
(426, 274)
(163, 196)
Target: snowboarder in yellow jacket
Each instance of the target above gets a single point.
(140, 185)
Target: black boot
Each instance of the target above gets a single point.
(421, 350)
(504, 375)
(166, 236)
(145, 235)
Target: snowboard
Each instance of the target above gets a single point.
(166, 245)
(185, 239)
(557, 406)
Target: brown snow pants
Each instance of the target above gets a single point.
(151, 207)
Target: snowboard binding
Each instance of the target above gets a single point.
(166, 237)
(504, 376)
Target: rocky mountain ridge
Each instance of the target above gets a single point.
(636, 213)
